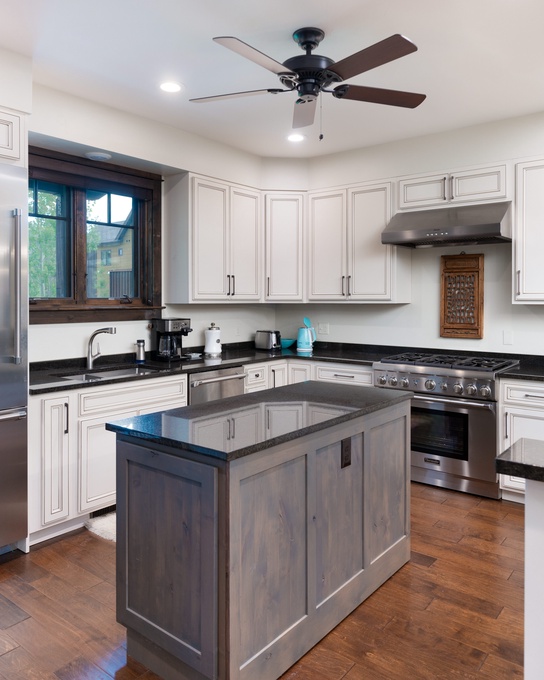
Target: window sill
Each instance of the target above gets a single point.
(67, 314)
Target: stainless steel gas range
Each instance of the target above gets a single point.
(454, 416)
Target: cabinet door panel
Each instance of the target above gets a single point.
(209, 231)
(245, 227)
(420, 191)
(96, 460)
(529, 236)
(55, 452)
(284, 257)
(479, 184)
(369, 267)
(327, 247)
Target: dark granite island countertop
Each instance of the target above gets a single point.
(279, 415)
(249, 527)
(525, 458)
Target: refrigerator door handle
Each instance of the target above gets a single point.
(18, 286)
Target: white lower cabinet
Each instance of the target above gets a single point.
(72, 455)
(256, 377)
(299, 371)
(278, 373)
(521, 414)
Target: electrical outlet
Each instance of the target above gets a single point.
(323, 328)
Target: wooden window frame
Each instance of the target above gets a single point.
(52, 166)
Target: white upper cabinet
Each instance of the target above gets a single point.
(11, 132)
(214, 241)
(226, 228)
(347, 260)
(284, 228)
(528, 234)
(464, 186)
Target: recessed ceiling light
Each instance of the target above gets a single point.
(170, 87)
(296, 137)
(98, 156)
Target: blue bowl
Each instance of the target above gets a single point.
(287, 342)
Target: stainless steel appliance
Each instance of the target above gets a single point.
(167, 339)
(454, 414)
(13, 354)
(268, 340)
(210, 385)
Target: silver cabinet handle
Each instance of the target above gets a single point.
(534, 396)
(518, 282)
(446, 188)
(343, 279)
(506, 425)
(343, 375)
(451, 187)
(18, 286)
(228, 282)
(67, 414)
(233, 285)
(267, 286)
(349, 285)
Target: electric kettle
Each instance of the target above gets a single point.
(305, 339)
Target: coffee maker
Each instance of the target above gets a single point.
(167, 338)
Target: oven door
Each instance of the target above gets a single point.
(454, 437)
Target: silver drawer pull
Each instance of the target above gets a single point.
(343, 375)
(534, 396)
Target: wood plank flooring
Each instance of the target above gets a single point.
(454, 611)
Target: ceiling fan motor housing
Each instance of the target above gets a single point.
(312, 75)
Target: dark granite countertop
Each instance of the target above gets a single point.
(524, 459)
(48, 376)
(316, 406)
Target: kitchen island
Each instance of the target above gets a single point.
(525, 459)
(249, 527)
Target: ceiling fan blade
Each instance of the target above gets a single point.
(304, 113)
(377, 95)
(252, 54)
(387, 50)
(233, 95)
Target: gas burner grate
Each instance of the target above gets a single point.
(453, 361)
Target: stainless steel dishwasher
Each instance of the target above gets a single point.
(210, 385)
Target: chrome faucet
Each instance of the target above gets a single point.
(90, 356)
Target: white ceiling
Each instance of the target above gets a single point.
(478, 61)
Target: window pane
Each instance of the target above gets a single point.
(49, 258)
(110, 262)
(97, 207)
(48, 199)
(121, 210)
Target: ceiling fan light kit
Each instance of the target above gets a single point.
(311, 74)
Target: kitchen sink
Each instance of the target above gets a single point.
(97, 374)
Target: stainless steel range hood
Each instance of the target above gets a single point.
(452, 226)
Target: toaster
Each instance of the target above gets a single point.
(267, 340)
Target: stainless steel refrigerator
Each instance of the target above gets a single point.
(13, 353)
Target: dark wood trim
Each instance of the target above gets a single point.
(145, 186)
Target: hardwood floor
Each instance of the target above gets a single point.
(454, 611)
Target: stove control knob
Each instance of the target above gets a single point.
(382, 380)
(443, 386)
(404, 382)
(393, 381)
(485, 391)
(458, 388)
(430, 384)
(472, 390)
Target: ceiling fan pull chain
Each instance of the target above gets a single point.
(320, 119)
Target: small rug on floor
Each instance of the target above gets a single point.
(103, 525)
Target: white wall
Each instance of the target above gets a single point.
(57, 115)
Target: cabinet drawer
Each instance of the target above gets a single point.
(256, 376)
(344, 374)
(526, 393)
(140, 394)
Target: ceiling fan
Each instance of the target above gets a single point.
(310, 74)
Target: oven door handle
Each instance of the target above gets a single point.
(455, 402)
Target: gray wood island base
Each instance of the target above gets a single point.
(249, 527)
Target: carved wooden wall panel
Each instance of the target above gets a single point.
(462, 296)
